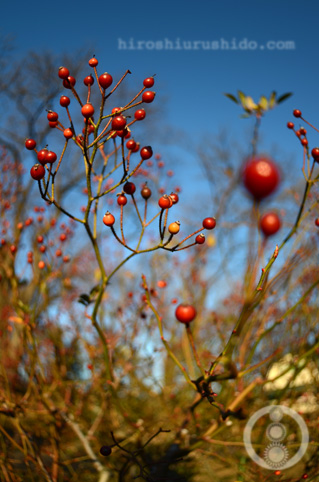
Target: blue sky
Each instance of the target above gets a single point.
(192, 80)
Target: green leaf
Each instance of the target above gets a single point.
(284, 97)
(263, 102)
(244, 116)
(272, 99)
(232, 97)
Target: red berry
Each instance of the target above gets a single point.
(146, 192)
(79, 139)
(315, 153)
(131, 144)
(149, 82)
(37, 172)
(209, 223)
(42, 155)
(41, 265)
(290, 125)
(140, 114)
(64, 101)
(165, 202)
(63, 73)
(174, 197)
(317, 222)
(105, 80)
(161, 283)
(118, 123)
(115, 110)
(88, 80)
(58, 253)
(51, 157)
(105, 450)
(87, 110)
(52, 116)
(185, 313)
(69, 82)
(269, 224)
(302, 131)
(297, 113)
(30, 144)
(129, 187)
(146, 152)
(200, 239)
(261, 177)
(121, 200)
(93, 62)
(53, 124)
(136, 148)
(40, 239)
(148, 96)
(122, 132)
(108, 219)
(68, 133)
(304, 142)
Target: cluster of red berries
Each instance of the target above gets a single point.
(119, 126)
(301, 133)
(304, 141)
